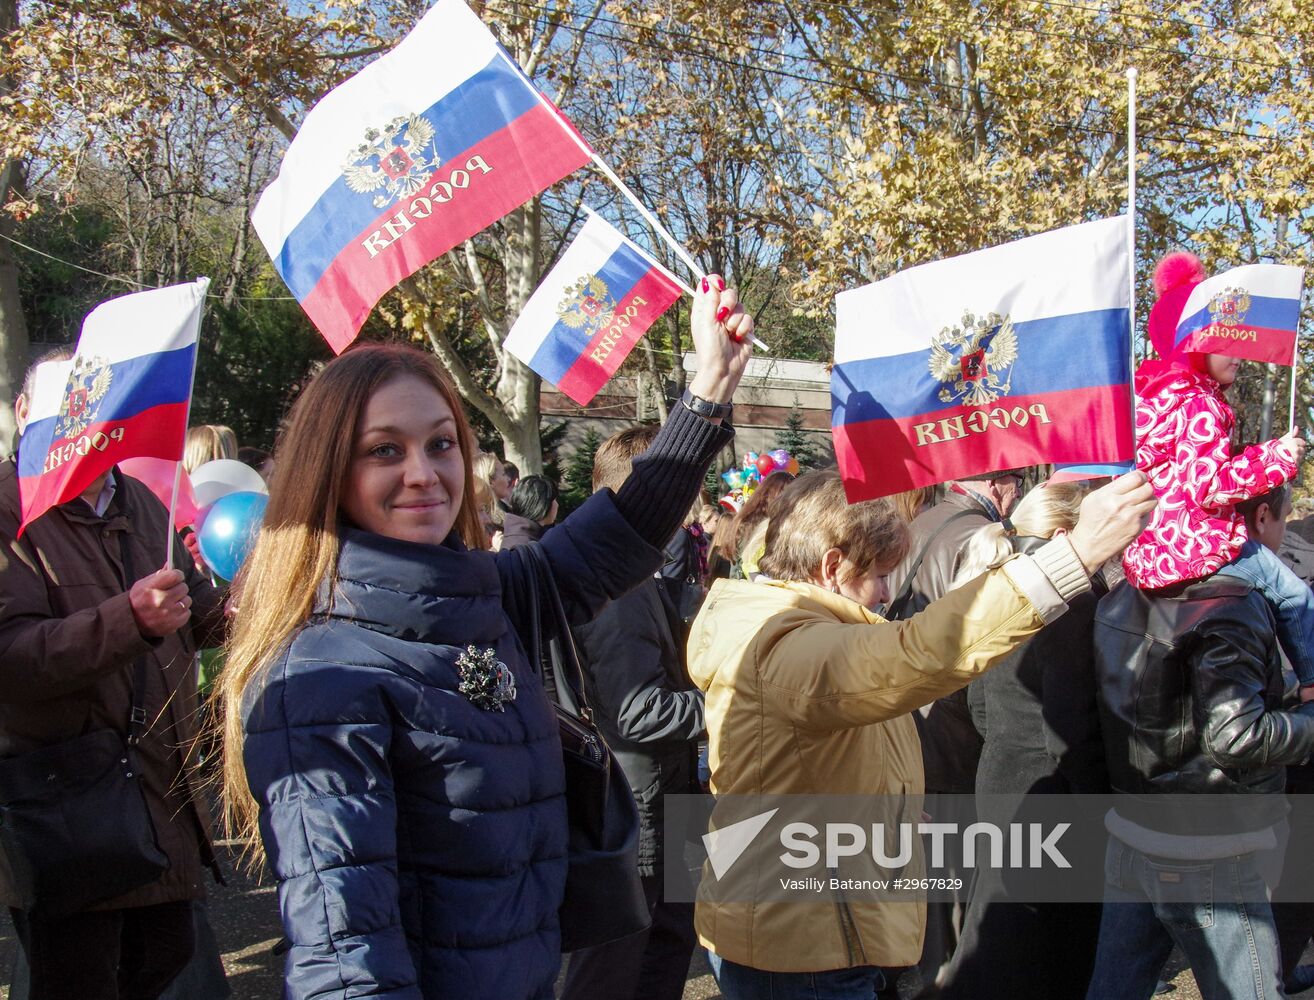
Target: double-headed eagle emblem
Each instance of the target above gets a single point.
(1229, 307)
(974, 361)
(87, 384)
(393, 158)
(587, 303)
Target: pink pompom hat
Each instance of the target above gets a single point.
(1174, 278)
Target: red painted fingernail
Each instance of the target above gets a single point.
(720, 283)
(722, 313)
(706, 287)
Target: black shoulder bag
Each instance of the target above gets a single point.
(74, 826)
(897, 609)
(604, 897)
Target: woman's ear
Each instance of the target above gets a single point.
(1059, 532)
(828, 570)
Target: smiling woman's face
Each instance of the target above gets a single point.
(406, 477)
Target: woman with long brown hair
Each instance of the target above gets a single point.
(384, 730)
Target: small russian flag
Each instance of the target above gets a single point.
(1248, 312)
(126, 393)
(590, 311)
(1082, 473)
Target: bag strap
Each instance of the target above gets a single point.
(894, 610)
(137, 717)
(543, 590)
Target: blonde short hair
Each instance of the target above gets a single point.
(813, 515)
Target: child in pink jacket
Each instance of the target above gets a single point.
(1183, 443)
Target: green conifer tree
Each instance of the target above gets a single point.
(577, 480)
(795, 440)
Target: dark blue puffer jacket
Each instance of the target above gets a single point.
(420, 841)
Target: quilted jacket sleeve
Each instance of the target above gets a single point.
(1214, 478)
(329, 825)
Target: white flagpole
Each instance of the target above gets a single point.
(178, 467)
(1131, 208)
(1295, 363)
(619, 184)
(1131, 234)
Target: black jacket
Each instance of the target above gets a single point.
(1036, 711)
(649, 713)
(1190, 693)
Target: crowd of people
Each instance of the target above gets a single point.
(388, 726)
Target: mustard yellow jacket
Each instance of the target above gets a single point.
(809, 693)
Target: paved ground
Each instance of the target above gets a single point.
(245, 920)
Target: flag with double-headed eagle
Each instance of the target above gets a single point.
(420, 150)
(1249, 312)
(1013, 356)
(126, 394)
(588, 313)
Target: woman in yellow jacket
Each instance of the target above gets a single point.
(809, 692)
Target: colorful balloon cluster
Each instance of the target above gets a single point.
(743, 480)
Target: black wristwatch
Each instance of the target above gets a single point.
(706, 408)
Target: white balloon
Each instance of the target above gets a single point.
(223, 476)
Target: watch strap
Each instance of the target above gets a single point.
(706, 408)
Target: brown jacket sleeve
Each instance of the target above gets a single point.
(46, 656)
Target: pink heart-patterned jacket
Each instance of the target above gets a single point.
(1183, 434)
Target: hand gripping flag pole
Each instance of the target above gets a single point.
(622, 187)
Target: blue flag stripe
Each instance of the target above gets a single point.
(1078, 351)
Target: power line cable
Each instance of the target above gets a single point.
(129, 281)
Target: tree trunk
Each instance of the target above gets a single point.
(518, 386)
(14, 345)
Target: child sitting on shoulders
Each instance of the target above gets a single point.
(1183, 443)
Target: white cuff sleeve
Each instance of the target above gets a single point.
(1050, 577)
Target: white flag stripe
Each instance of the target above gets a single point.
(1078, 269)
(1278, 281)
(448, 46)
(150, 322)
(49, 383)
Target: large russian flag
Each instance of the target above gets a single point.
(1248, 312)
(588, 313)
(1007, 357)
(125, 394)
(420, 150)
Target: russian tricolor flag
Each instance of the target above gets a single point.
(590, 311)
(1007, 357)
(426, 146)
(126, 393)
(1085, 471)
(1248, 312)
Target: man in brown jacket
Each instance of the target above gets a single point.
(82, 597)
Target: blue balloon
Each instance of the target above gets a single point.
(227, 531)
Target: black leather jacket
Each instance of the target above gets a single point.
(1190, 692)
